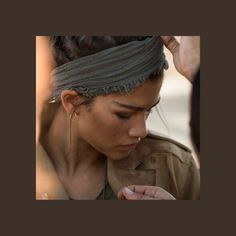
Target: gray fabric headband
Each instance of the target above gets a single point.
(117, 69)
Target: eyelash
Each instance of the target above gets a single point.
(123, 117)
(148, 112)
(126, 117)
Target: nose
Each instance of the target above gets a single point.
(138, 129)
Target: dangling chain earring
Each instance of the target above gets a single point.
(73, 114)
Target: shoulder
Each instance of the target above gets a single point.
(164, 139)
(168, 154)
(159, 161)
(156, 143)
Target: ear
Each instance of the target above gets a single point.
(70, 100)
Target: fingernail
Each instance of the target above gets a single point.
(128, 191)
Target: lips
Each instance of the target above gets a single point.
(129, 146)
(132, 144)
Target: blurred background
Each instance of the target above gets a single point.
(174, 107)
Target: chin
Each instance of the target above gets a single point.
(118, 155)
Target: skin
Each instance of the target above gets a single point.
(138, 192)
(186, 54)
(118, 119)
(47, 182)
(122, 118)
(186, 57)
(44, 66)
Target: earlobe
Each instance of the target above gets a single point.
(70, 100)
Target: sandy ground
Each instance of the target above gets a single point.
(174, 107)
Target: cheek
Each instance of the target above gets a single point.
(109, 126)
(102, 126)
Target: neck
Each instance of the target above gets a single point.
(69, 152)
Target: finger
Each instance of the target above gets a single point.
(171, 43)
(143, 189)
(129, 195)
(152, 191)
(137, 188)
(121, 196)
(137, 196)
(124, 192)
(158, 193)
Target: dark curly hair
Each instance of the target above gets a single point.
(68, 48)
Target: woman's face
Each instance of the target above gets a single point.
(114, 123)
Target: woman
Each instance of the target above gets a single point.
(94, 143)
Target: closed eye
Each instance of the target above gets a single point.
(123, 116)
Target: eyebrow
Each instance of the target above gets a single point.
(135, 107)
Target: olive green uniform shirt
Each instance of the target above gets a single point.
(156, 161)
